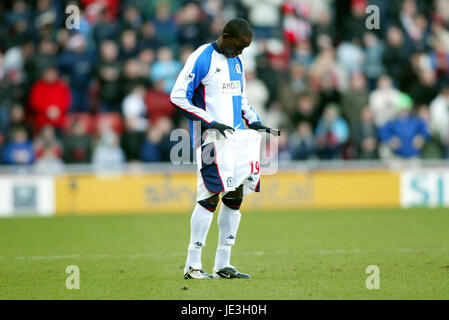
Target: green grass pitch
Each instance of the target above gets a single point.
(290, 255)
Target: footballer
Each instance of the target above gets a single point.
(210, 90)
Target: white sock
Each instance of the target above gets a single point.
(199, 227)
(228, 224)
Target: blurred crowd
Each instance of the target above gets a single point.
(339, 90)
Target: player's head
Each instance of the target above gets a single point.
(237, 35)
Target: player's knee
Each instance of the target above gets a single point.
(214, 199)
(238, 193)
(208, 205)
(232, 203)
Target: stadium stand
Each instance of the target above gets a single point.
(337, 89)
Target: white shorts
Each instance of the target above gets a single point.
(226, 163)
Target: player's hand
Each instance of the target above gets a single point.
(222, 128)
(259, 126)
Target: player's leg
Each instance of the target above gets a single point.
(228, 224)
(199, 227)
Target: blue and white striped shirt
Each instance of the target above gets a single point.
(211, 88)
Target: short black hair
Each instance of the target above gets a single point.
(238, 26)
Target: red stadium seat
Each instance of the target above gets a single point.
(114, 118)
(85, 118)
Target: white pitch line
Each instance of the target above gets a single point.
(255, 253)
(76, 256)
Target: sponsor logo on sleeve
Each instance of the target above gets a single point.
(189, 76)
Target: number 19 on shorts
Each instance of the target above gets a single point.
(255, 167)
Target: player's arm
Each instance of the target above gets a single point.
(250, 116)
(188, 80)
(181, 97)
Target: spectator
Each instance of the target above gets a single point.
(354, 100)
(323, 30)
(146, 59)
(105, 28)
(19, 151)
(292, 87)
(16, 121)
(373, 66)
(331, 133)
(44, 57)
(128, 44)
(136, 122)
(282, 153)
(365, 135)
(47, 143)
(396, 54)
(132, 18)
(440, 34)
(257, 93)
(306, 110)
(132, 76)
(264, 16)
(50, 100)
(77, 144)
(295, 28)
(424, 90)
(107, 74)
(134, 109)
(328, 90)
(165, 68)
(17, 21)
(268, 75)
(382, 101)
(276, 117)
(108, 154)
(19, 12)
(303, 54)
(157, 144)
(151, 150)
(439, 117)
(13, 81)
(192, 30)
(166, 27)
(406, 134)
(302, 142)
(110, 7)
(157, 102)
(148, 39)
(414, 25)
(351, 56)
(77, 63)
(48, 162)
(354, 25)
(433, 148)
(165, 125)
(326, 71)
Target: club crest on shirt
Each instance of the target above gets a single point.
(237, 68)
(189, 76)
(230, 182)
